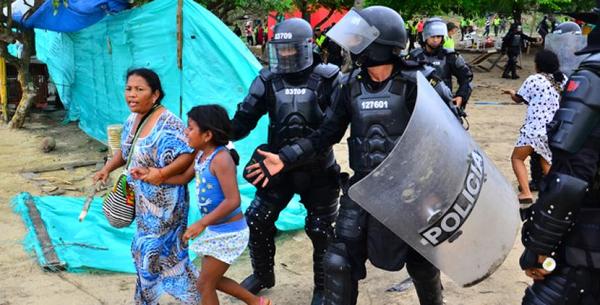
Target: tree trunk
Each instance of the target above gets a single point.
(24, 77)
(331, 11)
(303, 8)
(27, 98)
(3, 91)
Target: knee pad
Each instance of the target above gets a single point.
(351, 221)
(552, 215)
(261, 215)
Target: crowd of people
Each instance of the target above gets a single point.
(310, 104)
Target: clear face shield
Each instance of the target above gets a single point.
(353, 32)
(290, 57)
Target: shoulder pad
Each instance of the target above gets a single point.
(579, 112)
(449, 51)
(265, 74)
(257, 88)
(410, 73)
(582, 86)
(415, 54)
(350, 77)
(326, 70)
(411, 63)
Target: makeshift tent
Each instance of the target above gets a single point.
(89, 67)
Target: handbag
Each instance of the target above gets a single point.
(119, 204)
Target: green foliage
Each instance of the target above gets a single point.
(471, 8)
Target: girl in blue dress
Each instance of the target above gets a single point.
(222, 230)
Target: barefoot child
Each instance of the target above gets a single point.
(223, 226)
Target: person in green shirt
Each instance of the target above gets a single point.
(496, 24)
(449, 40)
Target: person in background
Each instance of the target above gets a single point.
(420, 26)
(541, 92)
(249, 33)
(447, 62)
(449, 40)
(496, 24)
(237, 31)
(512, 44)
(488, 23)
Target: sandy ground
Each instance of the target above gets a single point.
(495, 127)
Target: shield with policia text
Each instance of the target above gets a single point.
(439, 192)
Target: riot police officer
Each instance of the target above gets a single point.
(376, 99)
(295, 93)
(561, 233)
(512, 44)
(447, 62)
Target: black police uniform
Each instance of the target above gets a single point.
(448, 63)
(297, 103)
(564, 223)
(512, 44)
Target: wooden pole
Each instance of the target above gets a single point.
(3, 92)
(180, 52)
(179, 34)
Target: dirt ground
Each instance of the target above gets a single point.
(494, 119)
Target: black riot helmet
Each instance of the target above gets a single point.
(374, 36)
(290, 50)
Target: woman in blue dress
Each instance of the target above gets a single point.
(160, 257)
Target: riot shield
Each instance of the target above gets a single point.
(439, 192)
(564, 46)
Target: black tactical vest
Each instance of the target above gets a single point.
(516, 41)
(438, 61)
(295, 112)
(378, 120)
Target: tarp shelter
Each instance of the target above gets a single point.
(74, 16)
(89, 67)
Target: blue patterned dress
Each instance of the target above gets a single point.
(160, 258)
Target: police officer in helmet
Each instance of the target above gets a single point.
(512, 44)
(447, 62)
(376, 99)
(295, 92)
(561, 233)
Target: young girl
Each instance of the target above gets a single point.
(225, 233)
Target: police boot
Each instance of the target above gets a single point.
(317, 298)
(429, 291)
(255, 283)
(426, 279)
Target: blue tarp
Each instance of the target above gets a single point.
(76, 15)
(91, 244)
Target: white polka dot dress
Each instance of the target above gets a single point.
(543, 101)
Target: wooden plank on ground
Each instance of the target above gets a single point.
(61, 166)
(53, 263)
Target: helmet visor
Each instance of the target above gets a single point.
(290, 57)
(353, 32)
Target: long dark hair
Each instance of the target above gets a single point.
(151, 78)
(547, 62)
(213, 118)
